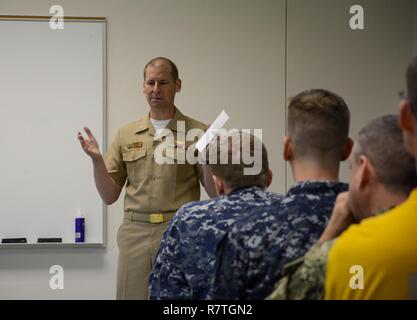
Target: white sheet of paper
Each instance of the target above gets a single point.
(211, 132)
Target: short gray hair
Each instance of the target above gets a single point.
(381, 141)
(173, 67)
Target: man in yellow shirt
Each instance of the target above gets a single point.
(378, 258)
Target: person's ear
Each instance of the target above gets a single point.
(268, 178)
(219, 185)
(365, 172)
(178, 85)
(348, 149)
(406, 117)
(288, 149)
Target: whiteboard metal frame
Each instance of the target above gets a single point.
(104, 211)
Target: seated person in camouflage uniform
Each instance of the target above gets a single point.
(251, 257)
(383, 175)
(184, 266)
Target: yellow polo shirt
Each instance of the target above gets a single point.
(153, 187)
(385, 249)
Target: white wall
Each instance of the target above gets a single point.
(366, 67)
(230, 55)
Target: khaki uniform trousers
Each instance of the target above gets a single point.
(138, 239)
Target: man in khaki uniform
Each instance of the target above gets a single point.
(153, 191)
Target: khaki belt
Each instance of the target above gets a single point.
(154, 217)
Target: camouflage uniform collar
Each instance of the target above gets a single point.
(245, 189)
(313, 187)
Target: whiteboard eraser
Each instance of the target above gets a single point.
(49, 240)
(14, 240)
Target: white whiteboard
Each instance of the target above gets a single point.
(52, 84)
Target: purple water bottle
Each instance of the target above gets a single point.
(79, 228)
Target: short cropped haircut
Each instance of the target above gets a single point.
(232, 146)
(412, 86)
(318, 125)
(173, 67)
(381, 141)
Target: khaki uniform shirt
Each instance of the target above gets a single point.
(153, 187)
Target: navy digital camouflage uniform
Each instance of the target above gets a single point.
(304, 278)
(184, 266)
(251, 257)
